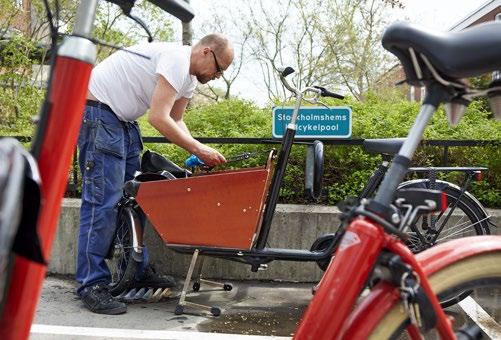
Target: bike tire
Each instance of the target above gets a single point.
(468, 206)
(472, 219)
(467, 274)
(122, 265)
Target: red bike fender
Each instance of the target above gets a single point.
(374, 307)
(444, 254)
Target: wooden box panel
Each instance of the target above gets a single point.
(217, 210)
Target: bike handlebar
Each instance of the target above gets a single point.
(326, 93)
(286, 71)
(322, 91)
(177, 8)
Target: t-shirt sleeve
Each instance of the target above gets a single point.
(188, 93)
(172, 67)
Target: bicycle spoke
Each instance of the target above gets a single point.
(121, 252)
(458, 232)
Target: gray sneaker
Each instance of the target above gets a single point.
(98, 299)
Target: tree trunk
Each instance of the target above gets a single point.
(27, 16)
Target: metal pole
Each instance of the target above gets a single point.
(187, 30)
(276, 182)
(72, 70)
(496, 75)
(398, 170)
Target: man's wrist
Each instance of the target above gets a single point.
(195, 147)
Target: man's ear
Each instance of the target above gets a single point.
(206, 50)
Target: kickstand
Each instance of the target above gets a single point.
(216, 311)
(199, 280)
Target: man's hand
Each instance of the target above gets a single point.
(209, 156)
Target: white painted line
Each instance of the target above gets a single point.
(141, 334)
(488, 325)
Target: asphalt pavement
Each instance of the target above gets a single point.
(251, 310)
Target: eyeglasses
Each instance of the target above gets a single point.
(218, 68)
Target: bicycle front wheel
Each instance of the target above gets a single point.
(480, 275)
(121, 261)
(464, 217)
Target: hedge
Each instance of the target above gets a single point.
(347, 168)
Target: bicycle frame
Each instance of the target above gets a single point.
(360, 246)
(346, 277)
(72, 69)
(60, 125)
(259, 254)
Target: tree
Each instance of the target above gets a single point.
(113, 27)
(329, 42)
(187, 31)
(226, 20)
(352, 33)
(26, 36)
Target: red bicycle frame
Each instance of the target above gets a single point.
(72, 69)
(347, 275)
(365, 316)
(57, 140)
(68, 98)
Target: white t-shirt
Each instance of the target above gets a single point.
(126, 81)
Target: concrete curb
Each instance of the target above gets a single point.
(294, 227)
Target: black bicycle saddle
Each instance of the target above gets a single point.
(387, 146)
(467, 53)
(154, 162)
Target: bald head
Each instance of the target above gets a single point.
(211, 56)
(217, 42)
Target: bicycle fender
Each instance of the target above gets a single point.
(373, 308)
(440, 186)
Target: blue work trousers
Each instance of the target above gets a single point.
(109, 155)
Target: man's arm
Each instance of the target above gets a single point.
(177, 113)
(161, 108)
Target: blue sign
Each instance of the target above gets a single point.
(314, 122)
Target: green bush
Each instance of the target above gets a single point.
(347, 168)
(19, 99)
(230, 118)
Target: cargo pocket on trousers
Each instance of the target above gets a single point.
(93, 178)
(110, 139)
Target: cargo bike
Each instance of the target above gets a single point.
(228, 213)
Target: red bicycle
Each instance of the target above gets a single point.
(21, 276)
(408, 292)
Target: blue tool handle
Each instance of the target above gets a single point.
(193, 161)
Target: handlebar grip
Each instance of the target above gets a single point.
(286, 71)
(178, 8)
(326, 93)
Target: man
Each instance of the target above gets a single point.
(122, 88)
